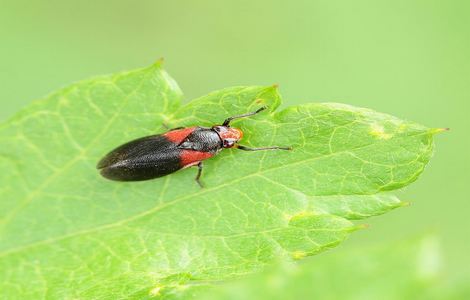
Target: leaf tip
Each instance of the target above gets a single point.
(159, 63)
(360, 227)
(404, 203)
(438, 130)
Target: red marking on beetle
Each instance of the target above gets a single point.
(229, 133)
(190, 157)
(177, 136)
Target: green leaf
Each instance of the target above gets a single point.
(65, 232)
(410, 269)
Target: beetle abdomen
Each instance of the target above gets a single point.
(142, 159)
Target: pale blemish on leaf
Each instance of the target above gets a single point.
(301, 215)
(155, 292)
(299, 254)
(402, 128)
(378, 131)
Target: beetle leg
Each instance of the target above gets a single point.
(199, 172)
(229, 119)
(241, 147)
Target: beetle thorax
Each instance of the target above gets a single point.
(228, 135)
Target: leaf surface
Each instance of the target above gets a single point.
(411, 269)
(67, 233)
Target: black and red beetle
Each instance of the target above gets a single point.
(162, 154)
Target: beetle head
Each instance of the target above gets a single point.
(229, 136)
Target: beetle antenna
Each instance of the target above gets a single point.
(230, 119)
(245, 148)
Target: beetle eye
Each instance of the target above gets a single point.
(228, 143)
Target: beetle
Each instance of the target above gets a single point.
(162, 154)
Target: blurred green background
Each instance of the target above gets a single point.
(408, 58)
